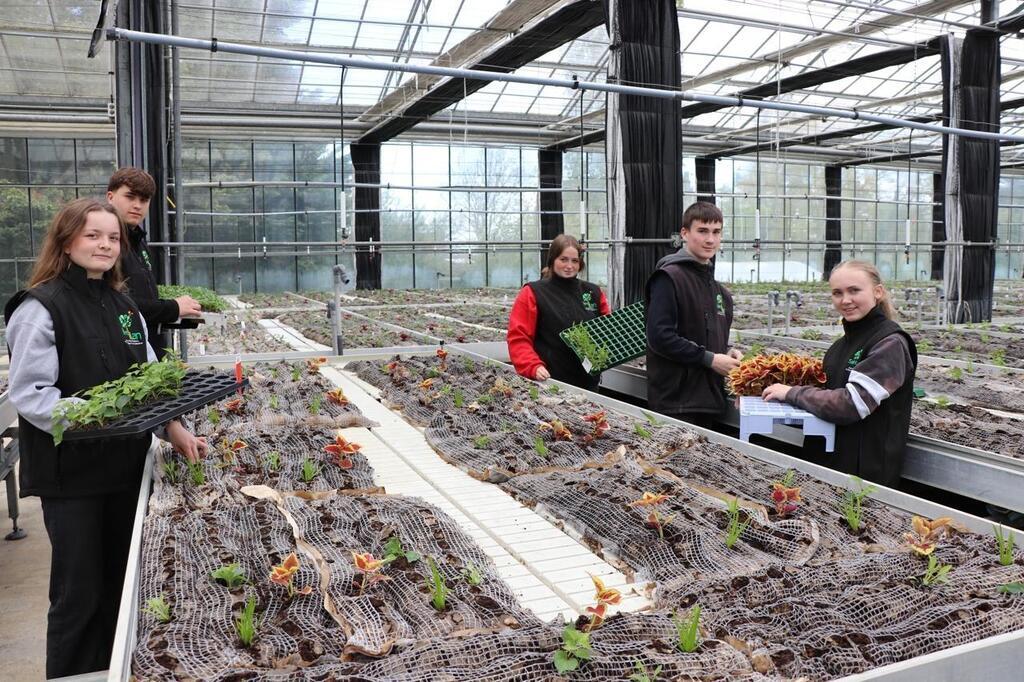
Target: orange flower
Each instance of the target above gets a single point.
(313, 364)
(785, 499)
(337, 396)
(442, 354)
(234, 406)
(649, 499)
(605, 595)
(284, 574)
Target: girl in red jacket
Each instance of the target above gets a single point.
(558, 300)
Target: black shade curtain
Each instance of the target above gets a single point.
(704, 168)
(976, 86)
(552, 223)
(651, 134)
(938, 223)
(157, 140)
(366, 164)
(833, 218)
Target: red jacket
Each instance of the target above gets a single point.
(522, 329)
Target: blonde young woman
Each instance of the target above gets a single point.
(870, 383)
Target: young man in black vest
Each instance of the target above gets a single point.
(688, 319)
(130, 191)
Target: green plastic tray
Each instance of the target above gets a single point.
(623, 333)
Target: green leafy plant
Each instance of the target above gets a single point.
(159, 609)
(273, 460)
(468, 364)
(1004, 544)
(942, 401)
(481, 442)
(433, 373)
(142, 383)
(688, 630)
(936, 573)
(924, 345)
(651, 419)
(1012, 588)
(735, 529)
(207, 298)
(575, 650)
(956, 374)
(853, 503)
(644, 675)
(554, 390)
(172, 471)
(438, 588)
(315, 403)
(231, 575)
(787, 478)
(247, 624)
(998, 357)
(310, 470)
(641, 430)
(296, 372)
(472, 575)
(273, 402)
(970, 366)
(578, 338)
(196, 473)
(812, 335)
(534, 393)
(213, 416)
(540, 447)
(484, 399)
(393, 550)
(457, 397)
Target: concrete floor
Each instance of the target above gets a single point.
(24, 582)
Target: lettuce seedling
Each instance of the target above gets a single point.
(1004, 544)
(688, 630)
(393, 550)
(735, 529)
(642, 674)
(213, 416)
(273, 402)
(640, 430)
(936, 573)
(159, 609)
(534, 393)
(575, 649)
(296, 372)
(438, 588)
(231, 575)
(853, 503)
(481, 442)
(247, 624)
(472, 575)
(273, 460)
(310, 470)
(459, 400)
(315, 403)
(1012, 588)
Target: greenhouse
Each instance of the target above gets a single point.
(512, 340)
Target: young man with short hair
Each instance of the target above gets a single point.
(689, 315)
(130, 191)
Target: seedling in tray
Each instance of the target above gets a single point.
(230, 575)
(936, 573)
(310, 470)
(393, 550)
(472, 575)
(369, 570)
(735, 529)
(247, 624)
(171, 471)
(575, 649)
(578, 338)
(688, 630)
(643, 675)
(196, 473)
(438, 588)
(1004, 544)
(159, 609)
(284, 574)
(853, 503)
(654, 518)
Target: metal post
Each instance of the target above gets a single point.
(792, 296)
(341, 277)
(773, 303)
(179, 204)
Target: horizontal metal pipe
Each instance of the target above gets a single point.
(473, 74)
(220, 184)
(541, 242)
(329, 211)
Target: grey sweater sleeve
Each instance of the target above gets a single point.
(35, 364)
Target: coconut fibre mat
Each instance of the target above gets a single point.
(596, 504)
(273, 455)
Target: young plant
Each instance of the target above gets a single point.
(735, 529)
(575, 650)
(369, 569)
(213, 416)
(534, 393)
(558, 429)
(171, 471)
(554, 389)
(393, 550)
(337, 396)
(654, 518)
(438, 588)
(956, 374)
(481, 442)
(231, 575)
(998, 357)
(315, 403)
(310, 470)
(641, 430)
(785, 498)
(235, 406)
(578, 338)
(273, 402)
(853, 503)
(196, 473)
(296, 372)
(642, 674)
(600, 422)
(342, 450)
(442, 355)
(273, 460)
(208, 299)
(159, 609)
(651, 419)
(605, 596)
(247, 624)
(472, 575)
(942, 401)
(925, 534)
(752, 376)
(936, 573)
(1012, 588)
(459, 400)
(484, 399)
(688, 630)
(540, 447)
(469, 365)
(284, 574)
(1004, 544)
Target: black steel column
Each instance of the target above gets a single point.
(938, 223)
(366, 165)
(704, 169)
(833, 218)
(552, 222)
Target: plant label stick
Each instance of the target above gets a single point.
(238, 370)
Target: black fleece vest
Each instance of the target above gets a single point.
(99, 335)
(562, 303)
(872, 448)
(137, 268)
(704, 317)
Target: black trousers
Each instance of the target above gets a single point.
(702, 419)
(89, 538)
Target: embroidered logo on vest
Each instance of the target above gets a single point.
(588, 302)
(720, 304)
(130, 337)
(145, 259)
(855, 358)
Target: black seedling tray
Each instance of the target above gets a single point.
(198, 389)
(184, 323)
(623, 333)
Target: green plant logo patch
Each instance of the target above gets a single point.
(720, 304)
(855, 358)
(145, 259)
(588, 301)
(130, 337)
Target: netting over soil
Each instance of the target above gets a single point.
(400, 608)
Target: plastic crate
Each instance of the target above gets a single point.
(623, 333)
(198, 389)
(759, 416)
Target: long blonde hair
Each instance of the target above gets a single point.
(885, 303)
(65, 226)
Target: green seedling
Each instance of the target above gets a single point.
(641, 430)
(481, 442)
(924, 345)
(445, 390)
(651, 419)
(812, 335)
(1004, 544)
(735, 528)
(1012, 588)
(310, 470)
(956, 374)
(315, 403)
(484, 399)
(172, 471)
(296, 372)
(433, 373)
(438, 588)
(159, 609)
(787, 478)
(506, 427)
(942, 401)
(207, 298)
(540, 447)
(998, 357)
(554, 390)
(575, 650)
(970, 367)
(644, 675)
(578, 338)
(468, 364)
(231, 575)
(142, 383)
(473, 575)
(196, 473)
(393, 550)
(457, 397)
(936, 573)
(247, 624)
(534, 393)
(985, 338)
(273, 460)
(853, 503)
(273, 402)
(688, 630)
(213, 416)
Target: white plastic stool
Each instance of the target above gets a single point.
(759, 416)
